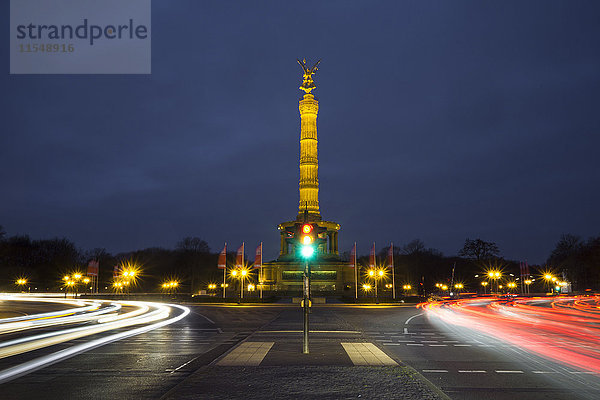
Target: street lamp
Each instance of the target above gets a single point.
(549, 279)
(86, 280)
(169, 286)
(240, 273)
(511, 285)
(376, 274)
(484, 284)
(21, 282)
(495, 275)
(71, 282)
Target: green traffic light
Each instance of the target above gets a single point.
(307, 251)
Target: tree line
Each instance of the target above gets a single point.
(191, 262)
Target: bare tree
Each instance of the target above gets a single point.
(413, 247)
(479, 250)
(568, 246)
(193, 244)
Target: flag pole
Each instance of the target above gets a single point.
(355, 274)
(393, 277)
(242, 276)
(225, 271)
(260, 278)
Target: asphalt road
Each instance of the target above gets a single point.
(463, 364)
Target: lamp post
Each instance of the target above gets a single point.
(169, 286)
(484, 284)
(234, 274)
(495, 275)
(527, 282)
(86, 280)
(21, 282)
(549, 278)
(243, 274)
(373, 276)
(459, 287)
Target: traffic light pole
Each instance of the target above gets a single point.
(305, 303)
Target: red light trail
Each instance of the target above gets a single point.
(564, 329)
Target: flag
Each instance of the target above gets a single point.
(390, 257)
(93, 268)
(372, 257)
(222, 263)
(239, 259)
(258, 256)
(116, 271)
(353, 256)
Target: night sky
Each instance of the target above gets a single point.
(438, 120)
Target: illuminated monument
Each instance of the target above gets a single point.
(329, 273)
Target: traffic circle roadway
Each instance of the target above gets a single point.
(231, 351)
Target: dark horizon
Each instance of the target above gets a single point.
(439, 122)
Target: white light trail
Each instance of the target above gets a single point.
(151, 315)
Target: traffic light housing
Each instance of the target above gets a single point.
(306, 240)
(308, 237)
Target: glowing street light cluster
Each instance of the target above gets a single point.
(171, 285)
(495, 275)
(72, 282)
(376, 275)
(127, 278)
(241, 272)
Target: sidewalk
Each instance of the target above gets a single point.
(273, 367)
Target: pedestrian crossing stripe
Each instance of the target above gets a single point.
(367, 354)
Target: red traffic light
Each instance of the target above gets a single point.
(307, 228)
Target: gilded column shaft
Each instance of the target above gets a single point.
(309, 162)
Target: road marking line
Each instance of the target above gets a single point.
(462, 345)
(352, 332)
(508, 372)
(247, 354)
(438, 345)
(391, 344)
(414, 344)
(429, 341)
(450, 341)
(473, 371)
(411, 318)
(435, 370)
(581, 372)
(367, 354)
(183, 365)
(405, 331)
(544, 372)
(405, 341)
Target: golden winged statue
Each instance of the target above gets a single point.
(308, 84)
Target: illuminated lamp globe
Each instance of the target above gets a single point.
(307, 251)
